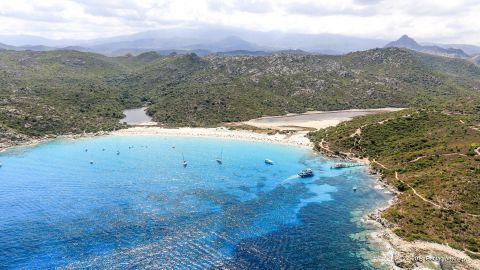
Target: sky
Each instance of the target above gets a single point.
(445, 21)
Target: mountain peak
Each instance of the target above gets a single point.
(409, 43)
(404, 42)
(405, 37)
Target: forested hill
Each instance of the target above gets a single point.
(71, 92)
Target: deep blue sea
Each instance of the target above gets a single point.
(143, 209)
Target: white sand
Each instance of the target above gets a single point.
(297, 139)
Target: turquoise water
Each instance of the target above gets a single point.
(142, 209)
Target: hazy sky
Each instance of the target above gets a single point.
(456, 21)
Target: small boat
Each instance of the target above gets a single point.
(86, 150)
(268, 161)
(306, 173)
(219, 159)
(118, 152)
(91, 161)
(184, 162)
(354, 189)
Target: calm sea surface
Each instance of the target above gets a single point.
(142, 208)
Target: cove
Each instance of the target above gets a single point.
(142, 208)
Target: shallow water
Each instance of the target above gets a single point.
(143, 209)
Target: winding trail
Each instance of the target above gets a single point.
(431, 202)
(418, 195)
(324, 147)
(443, 155)
(379, 164)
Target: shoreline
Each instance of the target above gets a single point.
(35, 141)
(394, 251)
(402, 254)
(298, 139)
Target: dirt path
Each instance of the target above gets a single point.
(408, 185)
(379, 164)
(325, 148)
(429, 201)
(418, 195)
(444, 155)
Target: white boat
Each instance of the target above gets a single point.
(268, 161)
(306, 173)
(91, 161)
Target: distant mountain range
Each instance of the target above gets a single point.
(409, 43)
(206, 39)
(234, 41)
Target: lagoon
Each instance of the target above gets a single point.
(137, 116)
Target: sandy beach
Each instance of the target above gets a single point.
(296, 139)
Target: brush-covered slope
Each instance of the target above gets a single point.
(69, 91)
(433, 158)
(217, 88)
(57, 92)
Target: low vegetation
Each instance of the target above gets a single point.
(430, 157)
(72, 92)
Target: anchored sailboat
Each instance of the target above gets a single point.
(184, 162)
(219, 159)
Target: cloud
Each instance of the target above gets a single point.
(426, 20)
(315, 9)
(249, 6)
(367, 2)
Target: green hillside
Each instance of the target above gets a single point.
(69, 91)
(432, 158)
